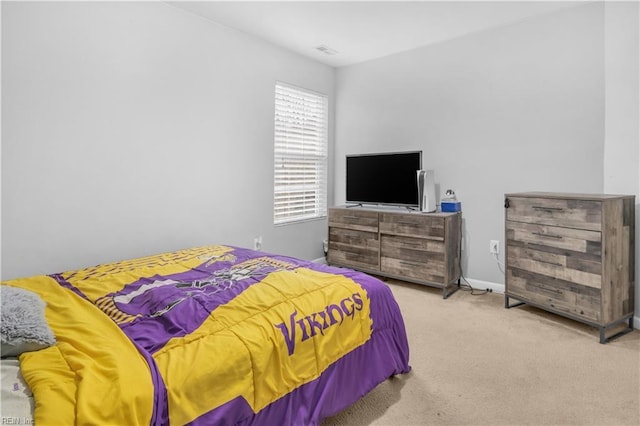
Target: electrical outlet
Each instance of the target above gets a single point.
(494, 247)
(257, 242)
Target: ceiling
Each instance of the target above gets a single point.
(359, 31)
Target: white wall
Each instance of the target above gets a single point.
(135, 128)
(515, 108)
(622, 109)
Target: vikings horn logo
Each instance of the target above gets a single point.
(160, 296)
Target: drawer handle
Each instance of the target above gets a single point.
(555, 209)
(550, 289)
(351, 253)
(549, 263)
(411, 244)
(408, 264)
(407, 223)
(540, 234)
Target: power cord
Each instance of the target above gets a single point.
(500, 264)
(466, 286)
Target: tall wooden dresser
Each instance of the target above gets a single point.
(574, 255)
(417, 247)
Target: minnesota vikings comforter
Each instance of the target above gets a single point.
(211, 335)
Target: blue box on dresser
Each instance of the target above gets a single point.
(450, 206)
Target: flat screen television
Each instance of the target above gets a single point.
(384, 178)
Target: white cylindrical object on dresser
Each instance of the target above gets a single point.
(426, 191)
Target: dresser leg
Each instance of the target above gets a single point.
(508, 306)
(604, 339)
(446, 294)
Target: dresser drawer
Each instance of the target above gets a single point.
(426, 270)
(350, 247)
(354, 257)
(576, 240)
(562, 266)
(417, 248)
(579, 214)
(413, 225)
(362, 220)
(578, 301)
(353, 238)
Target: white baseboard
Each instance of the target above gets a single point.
(499, 288)
(321, 260)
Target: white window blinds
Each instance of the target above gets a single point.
(300, 155)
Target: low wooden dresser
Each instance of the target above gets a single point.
(423, 248)
(573, 255)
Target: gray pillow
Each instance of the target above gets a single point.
(24, 327)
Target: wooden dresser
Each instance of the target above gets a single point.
(572, 254)
(417, 247)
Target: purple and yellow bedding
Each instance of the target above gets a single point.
(211, 335)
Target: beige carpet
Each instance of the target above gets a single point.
(476, 363)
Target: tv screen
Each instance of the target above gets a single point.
(385, 178)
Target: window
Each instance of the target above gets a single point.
(300, 155)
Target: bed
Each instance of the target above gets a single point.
(210, 335)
